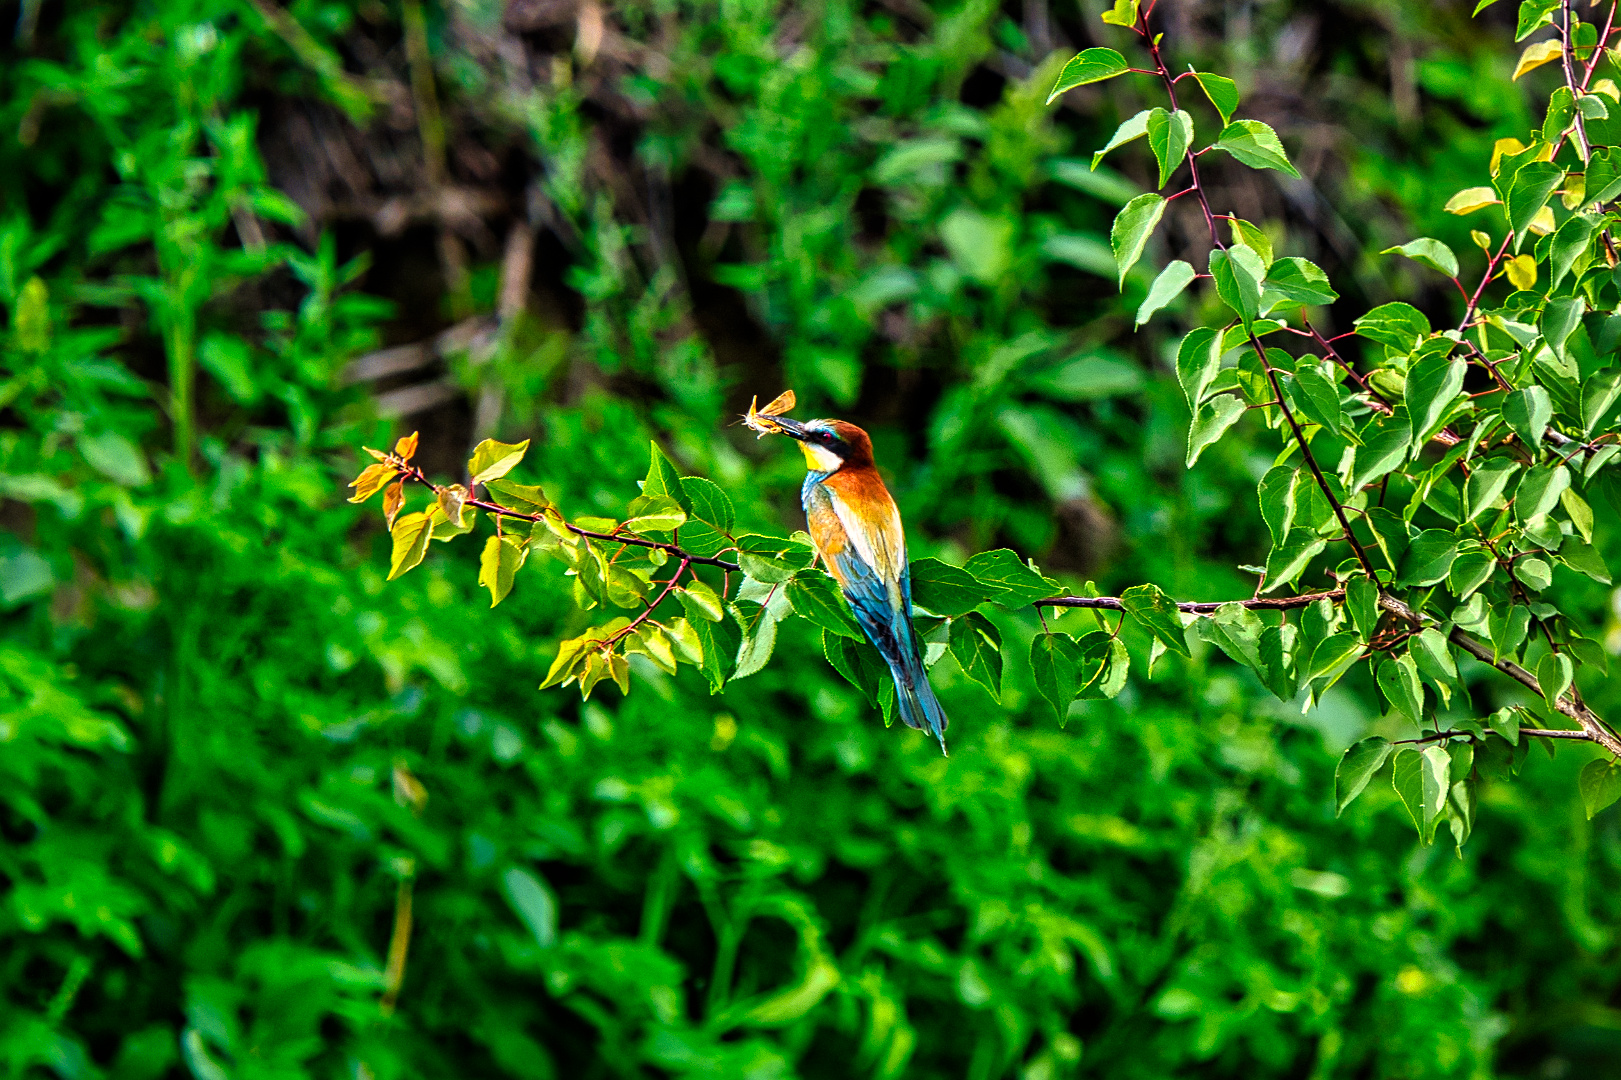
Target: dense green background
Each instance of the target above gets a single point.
(208, 696)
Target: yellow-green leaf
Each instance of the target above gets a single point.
(492, 460)
(503, 557)
(411, 534)
(1521, 271)
(31, 317)
(1469, 200)
(1535, 56)
(372, 479)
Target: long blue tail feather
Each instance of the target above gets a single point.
(915, 700)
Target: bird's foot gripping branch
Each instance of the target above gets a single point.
(1432, 488)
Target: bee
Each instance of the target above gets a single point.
(760, 420)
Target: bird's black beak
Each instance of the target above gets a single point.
(790, 427)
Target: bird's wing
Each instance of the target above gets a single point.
(871, 568)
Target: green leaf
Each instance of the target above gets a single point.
(1433, 654)
(1090, 66)
(663, 480)
(572, 654)
(1427, 252)
(1300, 281)
(533, 903)
(1539, 492)
(1528, 193)
(1487, 483)
(1222, 92)
(1507, 629)
(117, 457)
(1169, 136)
(1110, 679)
(1584, 559)
(1469, 572)
(654, 513)
(977, 645)
(1392, 533)
(1198, 361)
(1278, 660)
(721, 641)
(1559, 319)
(1128, 131)
(1275, 492)
(1431, 385)
(1055, 662)
(708, 503)
(772, 559)
(1252, 237)
(858, 662)
(1236, 631)
(701, 602)
(1334, 656)
(816, 596)
(1528, 413)
(1569, 241)
(1288, 560)
(1132, 227)
(1167, 287)
(1599, 395)
(524, 498)
(1554, 675)
(1435, 775)
(1533, 14)
(1211, 423)
(492, 460)
(1535, 574)
(1318, 397)
(1385, 442)
(1124, 13)
(1357, 766)
(1362, 599)
(1158, 615)
(1405, 778)
(1238, 272)
(1395, 325)
(1603, 177)
(1398, 680)
(947, 590)
(1256, 145)
(757, 623)
(502, 559)
(1429, 557)
(411, 533)
(1019, 584)
(1600, 784)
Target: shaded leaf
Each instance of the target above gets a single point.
(1357, 766)
(1132, 227)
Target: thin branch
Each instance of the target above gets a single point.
(1593, 728)
(1197, 607)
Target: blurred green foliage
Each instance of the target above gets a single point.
(217, 727)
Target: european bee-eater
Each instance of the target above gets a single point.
(857, 531)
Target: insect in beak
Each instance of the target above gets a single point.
(770, 421)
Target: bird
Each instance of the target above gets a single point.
(856, 529)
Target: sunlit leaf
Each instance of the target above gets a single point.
(1090, 66)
